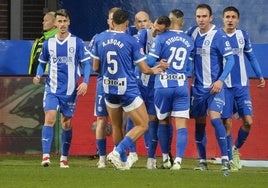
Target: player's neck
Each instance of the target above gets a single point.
(175, 27)
(120, 28)
(62, 36)
(206, 29)
(229, 30)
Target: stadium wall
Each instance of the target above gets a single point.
(254, 148)
(21, 121)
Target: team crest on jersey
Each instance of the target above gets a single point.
(241, 41)
(71, 49)
(100, 109)
(206, 43)
(227, 43)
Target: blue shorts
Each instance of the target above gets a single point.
(237, 100)
(173, 102)
(65, 103)
(202, 101)
(129, 101)
(100, 106)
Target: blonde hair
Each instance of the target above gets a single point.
(51, 13)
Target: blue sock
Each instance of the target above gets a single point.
(129, 126)
(220, 133)
(146, 137)
(153, 126)
(123, 156)
(229, 146)
(181, 142)
(170, 137)
(123, 146)
(66, 138)
(163, 134)
(47, 137)
(241, 138)
(201, 139)
(101, 144)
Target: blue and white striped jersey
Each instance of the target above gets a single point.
(241, 44)
(146, 39)
(210, 50)
(64, 58)
(176, 47)
(118, 52)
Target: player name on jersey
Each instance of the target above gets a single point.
(113, 42)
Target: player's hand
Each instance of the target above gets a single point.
(156, 69)
(36, 80)
(163, 64)
(262, 83)
(216, 87)
(82, 89)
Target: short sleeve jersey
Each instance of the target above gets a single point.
(118, 53)
(176, 47)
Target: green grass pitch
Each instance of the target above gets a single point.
(21, 171)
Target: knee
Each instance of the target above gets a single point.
(247, 125)
(66, 124)
(145, 126)
(101, 123)
(50, 122)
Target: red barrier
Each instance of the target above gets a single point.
(255, 147)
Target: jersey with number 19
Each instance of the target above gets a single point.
(176, 47)
(171, 87)
(117, 52)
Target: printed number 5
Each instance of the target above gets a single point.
(114, 65)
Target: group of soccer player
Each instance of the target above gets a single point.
(210, 54)
(145, 79)
(219, 93)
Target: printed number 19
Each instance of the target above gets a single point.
(179, 54)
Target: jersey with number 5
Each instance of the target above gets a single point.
(118, 52)
(176, 47)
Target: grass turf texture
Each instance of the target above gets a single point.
(26, 171)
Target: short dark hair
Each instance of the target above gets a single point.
(120, 16)
(206, 6)
(62, 12)
(163, 20)
(231, 8)
(177, 12)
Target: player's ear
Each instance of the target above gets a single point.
(113, 24)
(211, 18)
